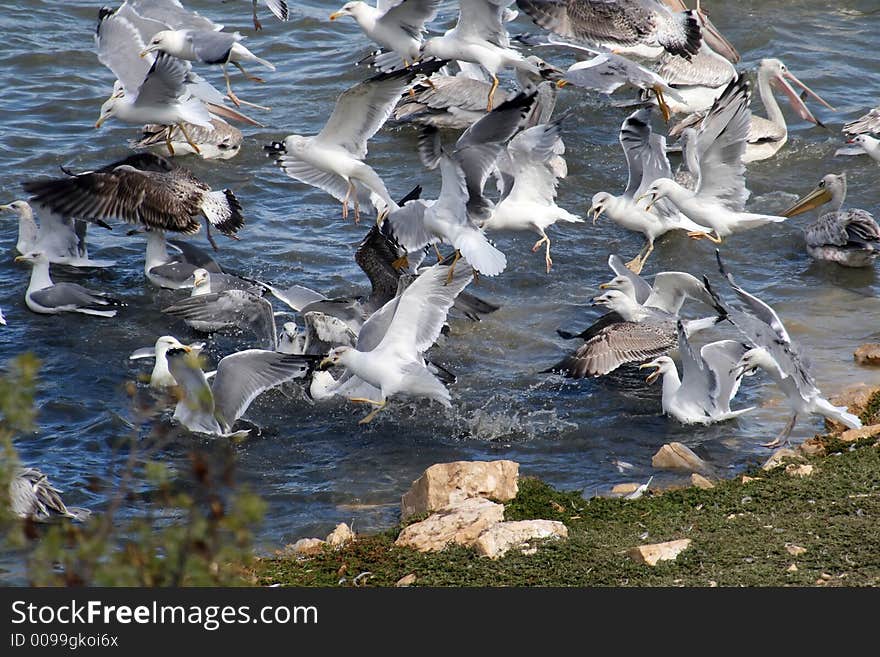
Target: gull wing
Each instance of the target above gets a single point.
(720, 358)
(169, 13)
(232, 307)
(411, 15)
(164, 83)
(422, 309)
(243, 376)
(362, 109)
(483, 20)
(408, 223)
(195, 410)
(530, 153)
(642, 288)
(645, 153)
(721, 143)
(211, 47)
(119, 43)
(71, 295)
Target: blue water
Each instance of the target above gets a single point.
(313, 464)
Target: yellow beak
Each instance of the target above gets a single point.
(653, 376)
(20, 258)
(324, 364)
(100, 122)
(813, 199)
(597, 214)
(335, 15)
(561, 83)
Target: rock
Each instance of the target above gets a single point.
(795, 550)
(308, 546)
(461, 523)
(444, 484)
(868, 354)
(651, 554)
(812, 447)
(746, 479)
(792, 569)
(776, 458)
(498, 539)
(799, 469)
(856, 399)
(852, 435)
(340, 536)
(406, 580)
(626, 488)
(675, 456)
(701, 482)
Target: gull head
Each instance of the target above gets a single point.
(752, 360)
(348, 9)
(660, 188)
(620, 283)
(661, 365)
(201, 280)
(21, 208)
(772, 70)
(545, 70)
(865, 141)
(337, 356)
(109, 108)
(166, 342)
(612, 299)
(168, 41)
(598, 205)
(33, 258)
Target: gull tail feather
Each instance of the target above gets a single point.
(480, 254)
(838, 414)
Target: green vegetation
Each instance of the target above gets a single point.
(188, 529)
(741, 536)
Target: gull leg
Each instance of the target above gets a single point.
(455, 259)
(252, 78)
(168, 140)
(437, 251)
(378, 404)
(235, 99)
(492, 92)
(257, 25)
(345, 200)
(401, 263)
(357, 206)
(782, 438)
(635, 265)
(209, 236)
(699, 235)
(544, 240)
(188, 140)
(664, 108)
(229, 91)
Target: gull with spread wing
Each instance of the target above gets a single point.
(774, 351)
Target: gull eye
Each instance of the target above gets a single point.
(821, 183)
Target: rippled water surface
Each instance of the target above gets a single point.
(313, 464)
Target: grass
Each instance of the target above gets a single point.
(741, 534)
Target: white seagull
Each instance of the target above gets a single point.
(720, 193)
(396, 26)
(529, 201)
(390, 350)
(775, 353)
(708, 383)
(160, 376)
(647, 162)
(48, 298)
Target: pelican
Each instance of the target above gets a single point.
(848, 237)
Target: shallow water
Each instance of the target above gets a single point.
(313, 464)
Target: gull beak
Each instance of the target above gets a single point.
(814, 199)
(20, 258)
(604, 286)
(325, 364)
(199, 280)
(143, 53)
(5, 207)
(100, 122)
(650, 196)
(795, 100)
(597, 212)
(336, 14)
(561, 83)
(653, 376)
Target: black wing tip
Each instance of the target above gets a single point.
(414, 194)
(235, 222)
(103, 14)
(693, 36)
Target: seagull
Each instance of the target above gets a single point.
(646, 159)
(630, 333)
(61, 240)
(720, 193)
(866, 124)
(156, 89)
(848, 237)
(455, 216)
(32, 496)
(457, 101)
(642, 27)
(222, 142)
(160, 376)
(398, 27)
(228, 310)
(48, 298)
(529, 202)
(145, 189)
(207, 282)
(480, 37)
(208, 47)
(698, 82)
(390, 349)
(213, 409)
(332, 160)
(703, 393)
(606, 72)
(862, 145)
(775, 353)
(173, 272)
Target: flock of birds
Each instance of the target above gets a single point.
(499, 174)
